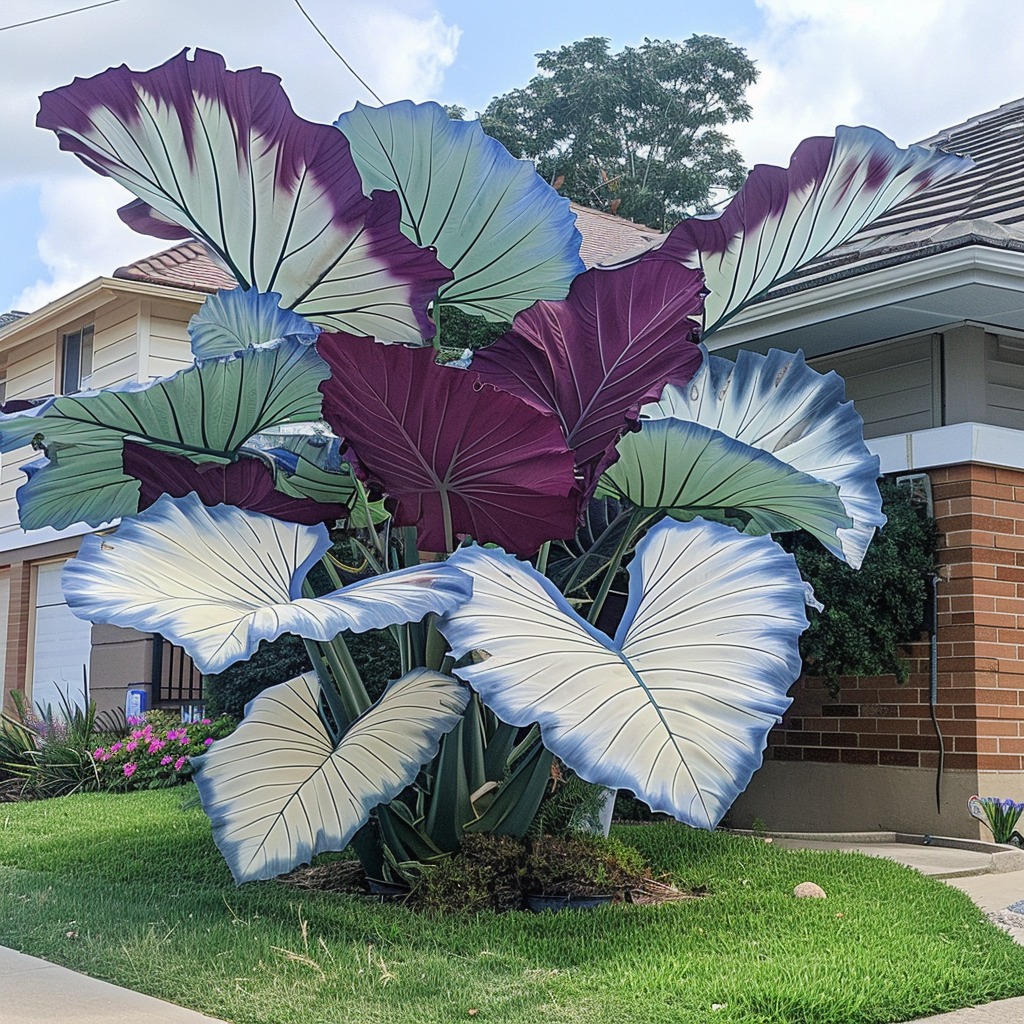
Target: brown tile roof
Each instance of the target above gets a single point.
(188, 265)
(607, 238)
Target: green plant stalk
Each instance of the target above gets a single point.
(636, 519)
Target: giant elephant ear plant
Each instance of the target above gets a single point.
(596, 433)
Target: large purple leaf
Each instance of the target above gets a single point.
(596, 357)
(454, 458)
(221, 155)
(247, 484)
(783, 218)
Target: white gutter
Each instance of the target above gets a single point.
(904, 284)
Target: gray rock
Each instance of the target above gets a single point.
(809, 890)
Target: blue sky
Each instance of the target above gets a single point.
(908, 67)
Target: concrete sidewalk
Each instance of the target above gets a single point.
(36, 992)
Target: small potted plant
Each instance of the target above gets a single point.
(579, 871)
(1001, 817)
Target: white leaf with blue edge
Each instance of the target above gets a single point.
(677, 707)
(776, 403)
(509, 238)
(230, 321)
(217, 581)
(278, 790)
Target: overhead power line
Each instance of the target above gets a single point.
(59, 14)
(334, 49)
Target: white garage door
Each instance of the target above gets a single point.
(60, 653)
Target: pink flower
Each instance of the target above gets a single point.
(156, 745)
(131, 745)
(207, 741)
(129, 769)
(180, 763)
(166, 760)
(116, 747)
(205, 721)
(98, 752)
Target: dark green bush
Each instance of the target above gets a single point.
(227, 693)
(870, 614)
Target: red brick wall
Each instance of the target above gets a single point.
(980, 708)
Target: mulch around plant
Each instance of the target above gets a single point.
(348, 877)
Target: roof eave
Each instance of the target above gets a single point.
(89, 296)
(904, 281)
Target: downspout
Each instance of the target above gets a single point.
(933, 688)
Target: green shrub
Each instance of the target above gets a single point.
(228, 692)
(870, 614)
(61, 761)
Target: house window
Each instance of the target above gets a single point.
(76, 362)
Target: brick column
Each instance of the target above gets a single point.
(875, 742)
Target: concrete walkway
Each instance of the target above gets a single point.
(36, 992)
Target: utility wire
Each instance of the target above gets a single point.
(334, 49)
(59, 14)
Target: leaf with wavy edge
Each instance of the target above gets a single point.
(279, 791)
(454, 458)
(229, 321)
(217, 581)
(205, 412)
(777, 404)
(595, 358)
(509, 238)
(689, 470)
(222, 156)
(782, 218)
(678, 706)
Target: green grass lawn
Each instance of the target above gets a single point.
(887, 944)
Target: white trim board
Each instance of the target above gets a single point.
(952, 445)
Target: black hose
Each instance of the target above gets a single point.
(933, 688)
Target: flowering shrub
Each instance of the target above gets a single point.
(156, 753)
(1001, 816)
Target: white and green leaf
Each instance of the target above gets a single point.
(509, 238)
(688, 470)
(279, 790)
(217, 581)
(776, 404)
(678, 706)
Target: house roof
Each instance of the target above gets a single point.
(188, 265)
(984, 205)
(951, 254)
(9, 318)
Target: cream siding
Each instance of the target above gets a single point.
(894, 386)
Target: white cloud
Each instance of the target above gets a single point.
(82, 237)
(907, 67)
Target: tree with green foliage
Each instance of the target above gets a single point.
(639, 132)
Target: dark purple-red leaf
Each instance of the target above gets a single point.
(247, 484)
(455, 459)
(594, 358)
